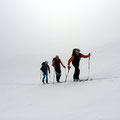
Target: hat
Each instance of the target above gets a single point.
(57, 56)
(77, 50)
(46, 62)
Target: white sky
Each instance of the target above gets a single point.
(36, 26)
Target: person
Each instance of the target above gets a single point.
(75, 59)
(45, 68)
(56, 64)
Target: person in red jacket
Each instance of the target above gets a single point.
(75, 59)
(56, 64)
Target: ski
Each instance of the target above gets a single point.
(82, 80)
(53, 83)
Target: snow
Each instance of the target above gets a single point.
(33, 31)
(85, 100)
(23, 97)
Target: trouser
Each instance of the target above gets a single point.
(76, 73)
(58, 78)
(45, 74)
(58, 74)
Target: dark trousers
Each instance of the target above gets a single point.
(76, 73)
(58, 74)
(58, 78)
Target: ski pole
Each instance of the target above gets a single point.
(49, 76)
(67, 76)
(89, 67)
(53, 75)
(65, 72)
(53, 78)
(40, 75)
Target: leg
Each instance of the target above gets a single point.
(58, 75)
(76, 74)
(46, 77)
(58, 78)
(43, 77)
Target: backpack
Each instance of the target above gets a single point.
(76, 60)
(42, 66)
(73, 53)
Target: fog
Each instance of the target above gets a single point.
(50, 27)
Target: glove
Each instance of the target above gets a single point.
(69, 67)
(89, 55)
(64, 66)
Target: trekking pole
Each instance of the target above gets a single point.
(89, 68)
(49, 77)
(67, 76)
(54, 76)
(40, 75)
(65, 72)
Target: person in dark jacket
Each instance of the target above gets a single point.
(45, 68)
(75, 59)
(56, 64)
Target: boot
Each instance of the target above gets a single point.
(43, 81)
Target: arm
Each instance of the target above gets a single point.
(53, 63)
(62, 63)
(70, 60)
(48, 68)
(85, 56)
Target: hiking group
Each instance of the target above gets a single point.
(56, 62)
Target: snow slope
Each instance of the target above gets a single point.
(22, 97)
